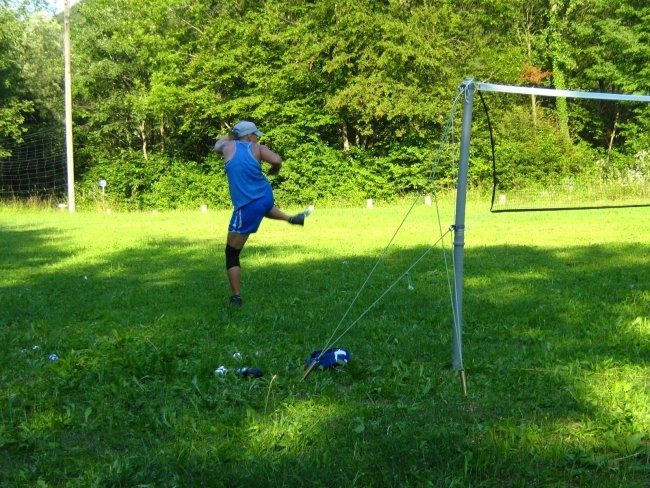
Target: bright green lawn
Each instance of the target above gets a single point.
(556, 350)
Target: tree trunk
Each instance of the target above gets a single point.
(143, 138)
(557, 52)
(346, 138)
(612, 136)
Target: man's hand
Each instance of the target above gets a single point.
(275, 169)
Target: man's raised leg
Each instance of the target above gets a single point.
(277, 214)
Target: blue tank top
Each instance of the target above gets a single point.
(245, 178)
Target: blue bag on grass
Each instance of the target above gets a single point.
(330, 358)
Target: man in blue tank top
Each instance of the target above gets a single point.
(250, 192)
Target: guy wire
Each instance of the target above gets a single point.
(390, 287)
(445, 136)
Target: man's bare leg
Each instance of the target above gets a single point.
(277, 214)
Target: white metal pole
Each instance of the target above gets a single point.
(68, 108)
(459, 229)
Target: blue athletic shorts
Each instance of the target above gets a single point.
(247, 219)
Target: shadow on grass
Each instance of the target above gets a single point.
(30, 248)
(133, 398)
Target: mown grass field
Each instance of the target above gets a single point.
(556, 351)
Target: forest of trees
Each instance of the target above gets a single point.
(354, 94)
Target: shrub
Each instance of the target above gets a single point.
(537, 151)
(157, 182)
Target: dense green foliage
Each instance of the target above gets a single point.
(30, 55)
(134, 304)
(354, 94)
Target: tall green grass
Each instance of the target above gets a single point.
(556, 350)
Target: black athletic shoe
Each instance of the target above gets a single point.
(299, 219)
(250, 372)
(236, 300)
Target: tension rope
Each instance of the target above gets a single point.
(447, 136)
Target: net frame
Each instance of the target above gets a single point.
(469, 86)
(555, 200)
